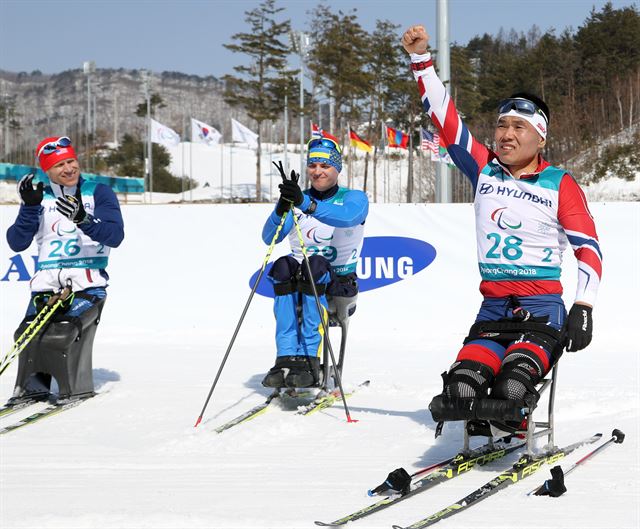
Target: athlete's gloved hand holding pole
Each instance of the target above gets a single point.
(290, 192)
(291, 195)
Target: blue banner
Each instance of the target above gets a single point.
(119, 184)
(383, 261)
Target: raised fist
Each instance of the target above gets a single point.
(415, 40)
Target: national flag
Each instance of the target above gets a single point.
(397, 138)
(163, 135)
(317, 132)
(203, 133)
(443, 153)
(358, 142)
(242, 134)
(429, 141)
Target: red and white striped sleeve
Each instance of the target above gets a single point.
(469, 155)
(578, 224)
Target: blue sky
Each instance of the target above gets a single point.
(187, 35)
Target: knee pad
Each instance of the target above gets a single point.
(283, 274)
(319, 267)
(521, 371)
(321, 271)
(467, 379)
(284, 268)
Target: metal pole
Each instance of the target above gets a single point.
(443, 174)
(149, 146)
(231, 172)
(183, 175)
(332, 110)
(303, 173)
(271, 162)
(115, 118)
(286, 132)
(88, 117)
(190, 171)
(221, 171)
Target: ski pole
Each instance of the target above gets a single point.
(32, 330)
(244, 312)
(303, 248)
(555, 486)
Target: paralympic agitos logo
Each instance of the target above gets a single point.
(383, 261)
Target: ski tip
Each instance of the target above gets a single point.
(198, 422)
(323, 524)
(618, 436)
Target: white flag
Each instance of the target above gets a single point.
(242, 134)
(203, 133)
(163, 135)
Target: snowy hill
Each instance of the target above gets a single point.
(130, 458)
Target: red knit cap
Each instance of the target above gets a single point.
(48, 160)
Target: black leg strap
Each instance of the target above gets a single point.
(306, 288)
(284, 288)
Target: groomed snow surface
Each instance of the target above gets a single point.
(131, 458)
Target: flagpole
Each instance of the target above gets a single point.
(271, 161)
(286, 132)
(190, 170)
(182, 159)
(231, 172)
(420, 168)
(184, 135)
(349, 181)
(221, 171)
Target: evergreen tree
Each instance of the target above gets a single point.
(128, 160)
(608, 47)
(155, 102)
(259, 88)
(384, 64)
(337, 62)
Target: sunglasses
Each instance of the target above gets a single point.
(522, 106)
(324, 142)
(53, 146)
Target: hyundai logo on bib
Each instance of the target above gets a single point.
(383, 261)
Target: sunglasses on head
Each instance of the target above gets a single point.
(53, 146)
(522, 106)
(324, 142)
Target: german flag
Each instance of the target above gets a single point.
(358, 142)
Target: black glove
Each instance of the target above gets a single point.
(290, 192)
(579, 327)
(30, 196)
(71, 206)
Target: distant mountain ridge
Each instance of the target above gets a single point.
(57, 103)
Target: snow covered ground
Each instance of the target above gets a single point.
(130, 458)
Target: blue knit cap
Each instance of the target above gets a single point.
(324, 151)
